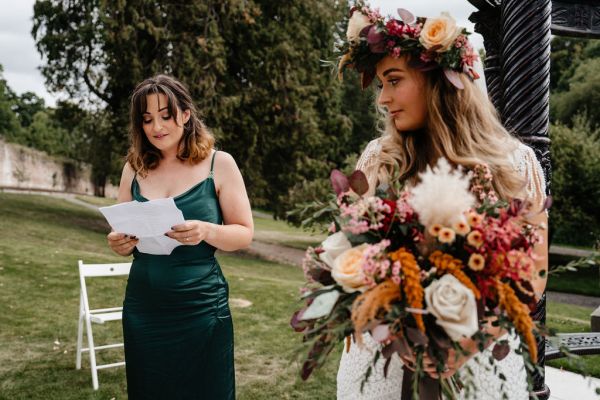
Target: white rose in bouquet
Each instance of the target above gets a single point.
(333, 246)
(454, 306)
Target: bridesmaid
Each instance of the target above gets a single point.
(176, 321)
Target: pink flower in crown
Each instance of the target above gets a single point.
(393, 27)
(427, 57)
(412, 30)
(396, 52)
(390, 44)
(469, 57)
(375, 15)
(461, 41)
(417, 29)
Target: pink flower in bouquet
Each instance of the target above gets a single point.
(367, 213)
(331, 228)
(403, 209)
(375, 265)
(521, 263)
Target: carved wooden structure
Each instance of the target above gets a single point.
(516, 37)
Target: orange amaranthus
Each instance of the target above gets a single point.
(411, 282)
(366, 306)
(519, 315)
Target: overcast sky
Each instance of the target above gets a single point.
(21, 60)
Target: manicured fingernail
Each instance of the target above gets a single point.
(172, 228)
(166, 235)
(133, 237)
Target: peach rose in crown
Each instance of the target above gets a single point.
(440, 31)
(347, 269)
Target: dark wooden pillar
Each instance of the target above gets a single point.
(517, 42)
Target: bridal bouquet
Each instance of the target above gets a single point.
(420, 269)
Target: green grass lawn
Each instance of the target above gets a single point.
(41, 240)
(566, 318)
(280, 232)
(97, 201)
(584, 281)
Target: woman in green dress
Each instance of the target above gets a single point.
(176, 322)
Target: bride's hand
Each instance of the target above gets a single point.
(191, 232)
(453, 364)
(429, 366)
(455, 360)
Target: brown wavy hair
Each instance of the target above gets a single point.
(462, 126)
(197, 141)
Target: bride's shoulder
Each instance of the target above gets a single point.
(524, 160)
(369, 154)
(529, 168)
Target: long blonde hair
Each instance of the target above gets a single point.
(462, 126)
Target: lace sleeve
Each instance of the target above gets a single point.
(531, 170)
(368, 163)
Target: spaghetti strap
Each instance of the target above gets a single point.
(212, 164)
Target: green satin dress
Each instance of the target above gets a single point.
(176, 321)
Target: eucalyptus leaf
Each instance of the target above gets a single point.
(321, 305)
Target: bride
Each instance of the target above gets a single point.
(431, 108)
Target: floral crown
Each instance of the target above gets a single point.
(433, 43)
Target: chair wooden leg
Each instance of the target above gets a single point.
(92, 352)
(79, 339)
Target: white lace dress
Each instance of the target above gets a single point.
(487, 384)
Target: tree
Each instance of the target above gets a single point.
(565, 56)
(252, 66)
(582, 97)
(26, 106)
(575, 80)
(9, 123)
(575, 183)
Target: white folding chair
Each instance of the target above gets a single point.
(98, 316)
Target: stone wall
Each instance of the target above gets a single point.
(29, 169)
